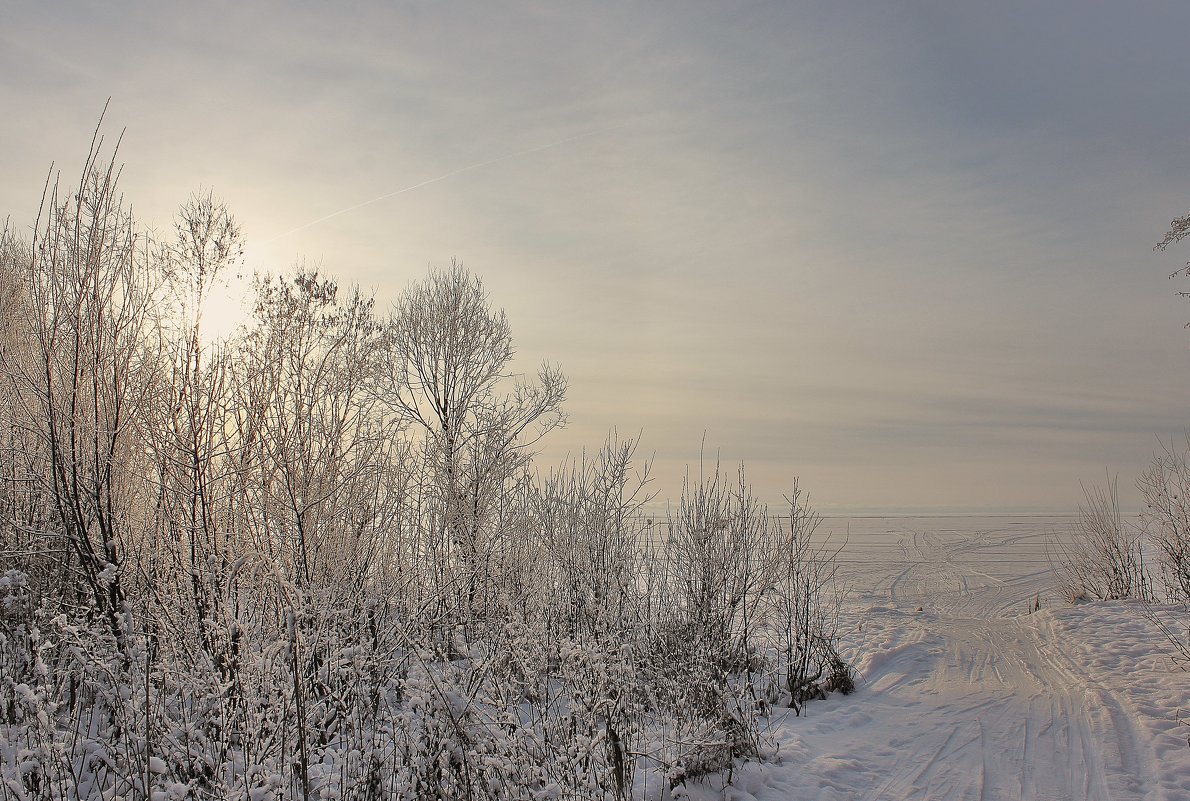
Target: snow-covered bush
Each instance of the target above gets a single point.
(805, 607)
(1104, 556)
(315, 560)
(1166, 516)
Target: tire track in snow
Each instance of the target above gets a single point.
(963, 702)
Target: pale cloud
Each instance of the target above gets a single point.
(901, 251)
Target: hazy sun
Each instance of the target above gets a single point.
(228, 303)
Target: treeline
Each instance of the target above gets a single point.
(317, 559)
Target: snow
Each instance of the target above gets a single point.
(965, 693)
(975, 680)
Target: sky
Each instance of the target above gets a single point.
(903, 251)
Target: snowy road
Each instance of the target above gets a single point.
(987, 709)
(965, 695)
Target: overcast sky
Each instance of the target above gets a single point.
(902, 250)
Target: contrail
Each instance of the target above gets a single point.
(477, 165)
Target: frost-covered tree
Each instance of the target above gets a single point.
(315, 439)
(1179, 229)
(450, 353)
(1164, 484)
(315, 560)
(1166, 516)
(95, 369)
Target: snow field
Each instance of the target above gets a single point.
(972, 697)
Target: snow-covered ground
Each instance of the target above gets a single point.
(966, 693)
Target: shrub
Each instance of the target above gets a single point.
(315, 561)
(1104, 558)
(1166, 516)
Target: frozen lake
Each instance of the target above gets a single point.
(976, 565)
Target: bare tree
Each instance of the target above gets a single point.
(806, 604)
(312, 433)
(227, 570)
(189, 563)
(24, 507)
(14, 256)
(1104, 558)
(1179, 229)
(207, 243)
(724, 557)
(93, 278)
(1166, 517)
(450, 354)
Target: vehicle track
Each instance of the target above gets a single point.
(993, 711)
(984, 702)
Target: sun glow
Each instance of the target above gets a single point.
(226, 307)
